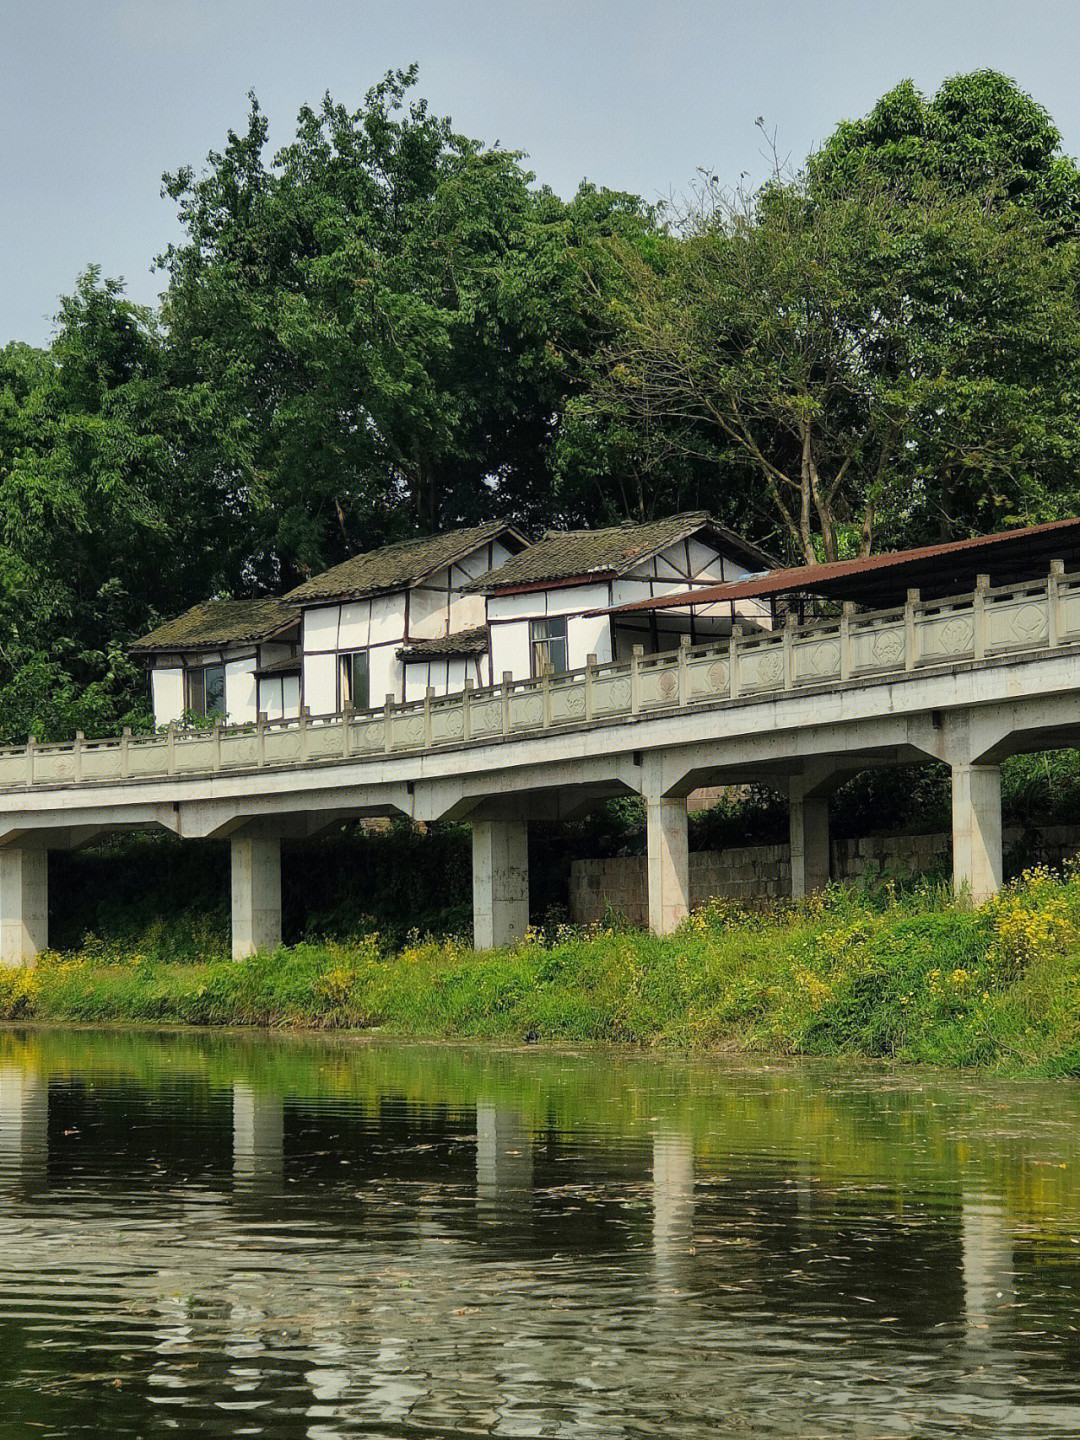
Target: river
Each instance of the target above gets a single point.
(230, 1235)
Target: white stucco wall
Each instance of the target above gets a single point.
(167, 695)
(240, 698)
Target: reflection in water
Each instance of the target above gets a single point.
(258, 1139)
(210, 1236)
(24, 1127)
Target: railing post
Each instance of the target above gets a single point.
(388, 723)
(507, 687)
(590, 681)
(170, 748)
(76, 755)
(466, 711)
(31, 746)
(305, 717)
(545, 696)
(911, 634)
(346, 729)
(217, 744)
(846, 612)
(635, 678)
(684, 672)
(125, 742)
(788, 641)
(1053, 602)
(260, 738)
(978, 616)
(733, 660)
(428, 694)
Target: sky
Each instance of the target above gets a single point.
(99, 97)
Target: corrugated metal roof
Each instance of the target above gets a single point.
(585, 555)
(464, 642)
(396, 567)
(1009, 557)
(220, 622)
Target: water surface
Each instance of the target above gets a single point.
(207, 1235)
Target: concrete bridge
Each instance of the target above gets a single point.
(966, 681)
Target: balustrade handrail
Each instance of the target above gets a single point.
(989, 620)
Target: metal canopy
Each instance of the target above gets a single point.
(881, 581)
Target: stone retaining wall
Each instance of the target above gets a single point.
(763, 872)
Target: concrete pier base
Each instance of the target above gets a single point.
(976, 827)
(668, 863)
(809, 829)
(256, 895)
(500, 853)
(24, 903)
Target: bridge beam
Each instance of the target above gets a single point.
(500, 855)
(256, 894)
(976, 830)
(668, 862)
(24, 903)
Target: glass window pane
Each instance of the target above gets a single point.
(360, 681)
(214, 682)
(196, 697)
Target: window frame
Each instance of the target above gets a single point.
(195, 677)
(544, 632)
(347, 686)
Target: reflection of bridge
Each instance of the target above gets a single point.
(205, 1273)
(964, 681)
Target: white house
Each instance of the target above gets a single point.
(231, 658)
(396, 620)
(551, 604)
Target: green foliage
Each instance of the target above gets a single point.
(914, 977)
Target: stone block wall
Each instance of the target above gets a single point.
(763, 872)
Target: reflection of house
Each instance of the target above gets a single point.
(549, 604)
(225, 657)
(396, 620)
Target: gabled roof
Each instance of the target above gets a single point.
(1010, 557)
(215, 623)
(396, 567)
(584, 555)
(464, 642)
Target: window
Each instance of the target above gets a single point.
(354, 686)
(549, 644)
(206, 690)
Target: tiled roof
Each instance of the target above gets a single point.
(291, 665)
(465, 642)
(396, 567)
(583, 554)
(220, 622)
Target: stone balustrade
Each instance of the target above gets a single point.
(847, 649)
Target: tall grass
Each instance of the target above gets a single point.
(911, 975)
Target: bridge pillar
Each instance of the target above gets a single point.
(809, 832)
(500, 854)
(668, 862)
(256, 894)
(976, 830)
(24, 903)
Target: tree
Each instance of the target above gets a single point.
(879, 360)
(100, 533)
(370, 333)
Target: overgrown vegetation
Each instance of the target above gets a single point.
(915, 976)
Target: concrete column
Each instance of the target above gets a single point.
(976, 830)
(809, 830)
(24, 903)
(668, 863)
(500, 850)
(24, 1126)
(258, 1138)
(256, 895)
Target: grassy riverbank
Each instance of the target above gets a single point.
(912, 976)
